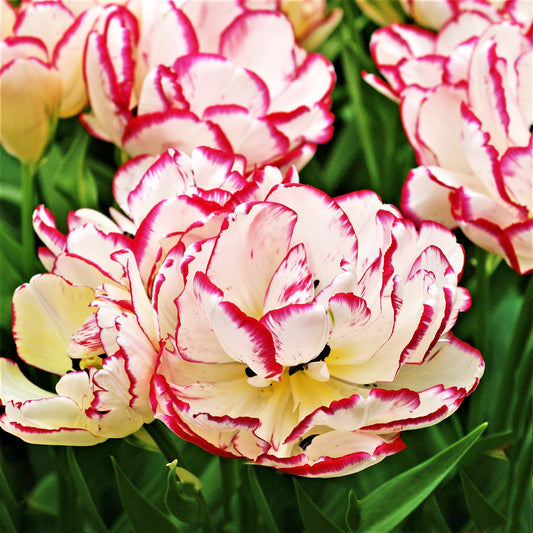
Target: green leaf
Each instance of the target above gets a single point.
(8, 498)
(261, 502)
(404, 493)
(142, 514)
(88, 505)
(353, 512)
(312, 517)
(6, 523)
(487, 445)
(72, 177)
(435, 516)
(44, 497)
(481, 510)
(182, 499)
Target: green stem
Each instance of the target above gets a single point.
(27, 174)
(165, 443)
(481, 301)
(480, 307)
(230, 477)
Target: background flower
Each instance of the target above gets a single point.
(331, 326)
(221, 91)
(475, 77)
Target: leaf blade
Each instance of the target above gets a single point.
(404, 493)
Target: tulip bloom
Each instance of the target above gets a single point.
(312, 23)
(237, 82)
(329, 320)
(40, 72)
(474, 76)
(98, 318)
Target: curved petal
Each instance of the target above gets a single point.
(47, 311)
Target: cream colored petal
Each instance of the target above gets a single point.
(47, 311)
(15, 387)
(30, 93)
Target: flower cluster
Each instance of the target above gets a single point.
(99, 317)
(218, 275)
(465, 101)
(234, 79)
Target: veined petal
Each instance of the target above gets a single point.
(292, 283)
(47, 311)
(15, 386)
(259, 40)
(242, 337)
(299, 332)
(260, 236)
(153, 133)
(322, 227)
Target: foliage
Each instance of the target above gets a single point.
(457, 476)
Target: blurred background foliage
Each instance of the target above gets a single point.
(440, 483)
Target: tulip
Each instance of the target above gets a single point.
(474, 76)
(328, 319)
(146, 96)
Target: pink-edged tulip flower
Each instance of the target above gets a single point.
(466, 106)
(246, 88)
(311, 20)
(328, 320)
(41, 77)
(99, 317)
(434, 14)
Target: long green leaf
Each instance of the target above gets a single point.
(312, 517)
(8, 498)
(6, 523)
(142, 514)
(486, 445)
(261, 502)
(89, 507)
(404, 493)
(481, 510)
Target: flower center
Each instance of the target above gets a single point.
(84, 363)
(303, 366)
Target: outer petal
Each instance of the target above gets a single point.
(46, 313)
(258, 41)
(31, 95)
(15, 387)
(154, 133)
(333, 455)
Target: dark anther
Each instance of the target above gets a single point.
(316, 283)
(322, 355)
(307, 441)
(531, 128)
(249, 372)
(303, 366)
(76, 364)
(296, 368)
